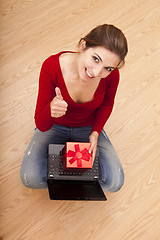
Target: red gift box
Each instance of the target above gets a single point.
(76, 155)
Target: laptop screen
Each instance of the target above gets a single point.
(75, 190)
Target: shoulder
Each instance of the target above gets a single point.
(114, 78)
(53, 59)
(51, 65)
(114, 75)
(111, 80)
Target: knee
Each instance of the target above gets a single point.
(119, 182)
(32, 181)
(26, 179)
(113, 183)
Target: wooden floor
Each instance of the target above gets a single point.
(30, 31)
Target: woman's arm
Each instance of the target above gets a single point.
(47, 83)
(104, 111)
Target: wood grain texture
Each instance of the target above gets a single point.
(30, 31)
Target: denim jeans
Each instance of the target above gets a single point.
(34, 164)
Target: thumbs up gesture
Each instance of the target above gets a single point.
(58, 105)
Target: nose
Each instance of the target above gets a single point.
(97, 71)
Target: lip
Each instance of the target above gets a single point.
(88, 73)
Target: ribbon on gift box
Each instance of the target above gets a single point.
(78, 155)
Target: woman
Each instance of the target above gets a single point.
(75, 99)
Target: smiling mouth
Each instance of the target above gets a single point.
(88, 73)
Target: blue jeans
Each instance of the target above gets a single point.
(34, 165)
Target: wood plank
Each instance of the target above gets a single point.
(30, 31)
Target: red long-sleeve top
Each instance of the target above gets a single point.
(93, 113)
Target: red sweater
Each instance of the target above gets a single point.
(94, 113)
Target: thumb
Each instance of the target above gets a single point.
(58, 93)
(91, 148)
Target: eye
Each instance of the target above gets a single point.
(108, 69)
(95, 59)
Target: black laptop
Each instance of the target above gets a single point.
(72, 184)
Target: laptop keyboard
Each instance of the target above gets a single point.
(55, 168)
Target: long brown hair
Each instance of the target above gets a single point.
(110, 37)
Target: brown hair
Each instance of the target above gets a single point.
(110, 37)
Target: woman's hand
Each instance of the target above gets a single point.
(93, 138)
(58, 105)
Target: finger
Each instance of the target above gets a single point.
(62, 104)
(91, 148)
(58, 109)
(58, 103)
(58, 93)
(57, 114)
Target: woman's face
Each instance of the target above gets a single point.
(96, 63)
